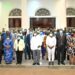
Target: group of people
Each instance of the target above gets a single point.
(49, 43)
(40, 43)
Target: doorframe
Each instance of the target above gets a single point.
(15, 17)
(71, 16)
(43, 17)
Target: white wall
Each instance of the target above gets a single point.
(25, 19)
(29, 7)
(70, 3)
(7, 6)
(34, 5)
(56, 7)
(61, 14)
(0, 13)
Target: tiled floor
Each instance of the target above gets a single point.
(28, 63)
(44, 69)
(36, 71)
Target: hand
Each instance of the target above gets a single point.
(7, 47)
(50, 47)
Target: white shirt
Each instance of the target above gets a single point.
(51, 41)
(20, 45)
(35, 42)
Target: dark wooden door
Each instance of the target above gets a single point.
(14, 22)
(42, 22)
(71, 22)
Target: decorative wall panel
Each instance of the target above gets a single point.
(42, 12)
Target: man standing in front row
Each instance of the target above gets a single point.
(61, 44)
(51, 45)
(19, 46)
(36, 43)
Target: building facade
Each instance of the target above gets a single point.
(35, 13)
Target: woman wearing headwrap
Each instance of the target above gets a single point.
(8, 50)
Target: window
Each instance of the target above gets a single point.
(70, 11)
(42, 12)
(15, 12)
(15, 18)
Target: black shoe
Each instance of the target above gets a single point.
(46, 58)
(0, 62)
(34, 63)
(58, 63)
(49, 63)
(52, 63)
(25, 58)
(62, 63)
(29, 58)
(38, 64)
(19, 63)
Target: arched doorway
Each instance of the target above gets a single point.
(15, 19)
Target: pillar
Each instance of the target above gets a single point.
(25, 19)
(61, 14)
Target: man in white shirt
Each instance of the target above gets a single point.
(36, 43)
(51, 45)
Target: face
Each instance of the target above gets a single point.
(8, 38)
(30, 32)
(50, 34)
(35, 34)
(61, 31)
(55, 32)
(18, 38)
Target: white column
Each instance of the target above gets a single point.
(0, 15)
(61, 14)
(25, 19)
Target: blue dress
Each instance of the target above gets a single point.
(8, 53)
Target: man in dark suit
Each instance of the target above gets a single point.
(61, 43)
(28, 47)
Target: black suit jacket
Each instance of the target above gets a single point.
(59, 39)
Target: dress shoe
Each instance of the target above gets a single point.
(49, 63)
(0, 62)
(38, 64)
(58, 63)
(62, 63)
(52, 63)
(34, 63)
